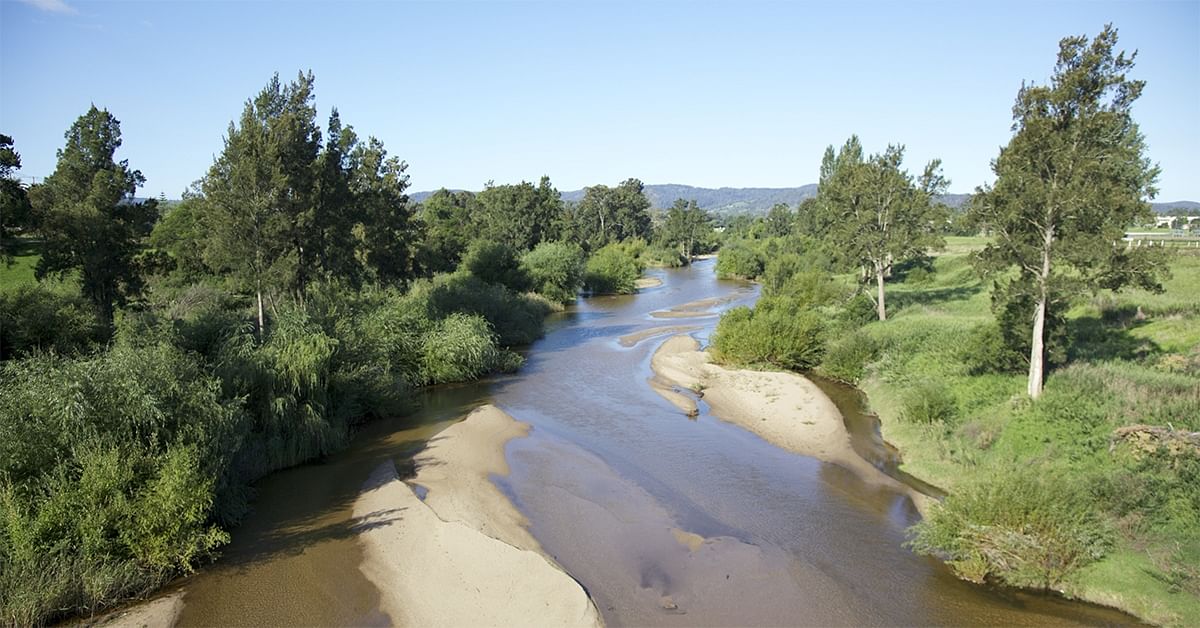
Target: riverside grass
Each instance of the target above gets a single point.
(1134, 358)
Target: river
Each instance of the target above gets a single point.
(621, 488)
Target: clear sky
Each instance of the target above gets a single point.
(711, 94)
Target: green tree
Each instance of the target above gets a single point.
(520, 215)
(259, 191)
(1070, 180)
(445, 222)
(875, 213)
(780, 220)
(86, 213)
(607, 215)
(14, 202)
(684, 227)
(335, 212)
(386, 227)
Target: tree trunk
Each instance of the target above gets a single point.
(1037, 349)
(260, 314)
(879, 304)
(1037, 353)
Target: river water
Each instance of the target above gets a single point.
(664, 519)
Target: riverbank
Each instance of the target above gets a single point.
(784, 409)
(462, 555)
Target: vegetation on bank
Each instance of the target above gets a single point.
(1061, 412)
(157, 358)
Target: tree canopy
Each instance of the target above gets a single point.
(1071, 179)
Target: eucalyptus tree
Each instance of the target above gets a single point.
(445, 221)
(606, 215)
(876, 213)
(86, 213)
(1071, 179)
(684, 225)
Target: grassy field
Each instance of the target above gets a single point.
(20, 270)
(1134, 358)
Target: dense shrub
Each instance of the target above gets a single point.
(858, 311)
(775, 333)
(613, 269)
(847, 357)
(462, 347)
(985, 350)
(109, 467)
(738, 260)
(786, 276)
(555, 270)
(36, 317)
(928, 402)
(1023, 527)
(516, 318)
(663, 257)
(495, 262)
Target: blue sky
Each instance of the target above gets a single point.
(710, 94)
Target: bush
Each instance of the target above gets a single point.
(1022, 527)
(555, 270)
(613, 269)
(847, 357)
(773, 334)
(859, 311)
(987, 351)
(737, 260)
(495, 262)
(663, 257)
(110, 466)
(462, 347)
(929, 402)
(516, 318)
(35, 317)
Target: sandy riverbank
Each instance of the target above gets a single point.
(643, 283)
(784, 409)
(462, 556)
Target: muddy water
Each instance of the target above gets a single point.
(665, 520)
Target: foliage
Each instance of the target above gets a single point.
(685, 226)
(38, 318)
(847, 356)
(14, 201)
(520, 216)
(84, 215)
(462, 347)
(496, 262)
(1020, 527)
(778, 332)
(738, 260)
(446, 224)
(928, 402)
(1070, 180)
(606, 215)
(613, 269)
(874, 214)
(555, 270)
(107, 466)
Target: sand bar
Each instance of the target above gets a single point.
(463, 556)
(785, 409)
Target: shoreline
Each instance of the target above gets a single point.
(447, 548)
(785, 409)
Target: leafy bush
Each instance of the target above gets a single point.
(788, 276)
(772, 334)
(858, 311)
(1023, 527)
(738, 260)
(663, 256)
(36, 317)
(495, 262)
(462, 347)
(555, 270)
(987, 351)
(516, 318)
(929, 402)
(847, 357)
(613, 269)
(110, 465)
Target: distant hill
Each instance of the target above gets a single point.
(1166, 208)
(755, 201)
